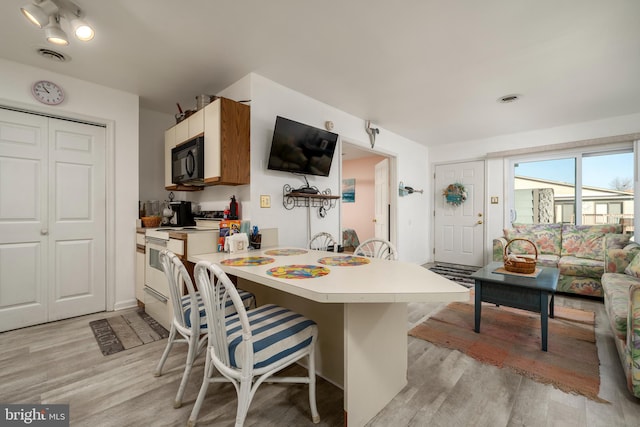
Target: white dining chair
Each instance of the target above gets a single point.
(323, 241)
(250, 346)
(377, 248)
(188, 325)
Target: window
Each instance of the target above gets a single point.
(594, 187)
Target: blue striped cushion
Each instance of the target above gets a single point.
(247, 298)
(277, 332)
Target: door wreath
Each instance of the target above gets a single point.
(455, 194)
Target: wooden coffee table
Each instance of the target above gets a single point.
(528, 293)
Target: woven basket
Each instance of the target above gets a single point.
(151, 221)
(522, 265)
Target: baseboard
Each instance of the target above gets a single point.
(122, 305)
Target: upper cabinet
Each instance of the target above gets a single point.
(225, 124)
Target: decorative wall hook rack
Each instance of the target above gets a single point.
(406, 190)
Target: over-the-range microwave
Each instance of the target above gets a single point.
(187, 162)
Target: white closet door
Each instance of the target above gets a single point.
(76, 219)
(23, 219)
(52, 219)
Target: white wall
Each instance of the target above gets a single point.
(119, 111)
(495, 215)
(270, 99)
(151, 148)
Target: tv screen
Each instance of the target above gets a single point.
(300, 148)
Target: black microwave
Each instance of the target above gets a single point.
(187, 162)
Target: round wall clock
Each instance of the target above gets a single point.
(47, 92)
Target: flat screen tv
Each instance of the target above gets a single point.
(300, 148)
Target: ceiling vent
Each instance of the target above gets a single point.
(52, 54)
(508, 98)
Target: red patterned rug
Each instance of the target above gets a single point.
(511, 338)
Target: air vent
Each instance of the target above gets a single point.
(508, 98)
(53, 55)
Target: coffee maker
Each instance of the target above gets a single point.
(182, 215)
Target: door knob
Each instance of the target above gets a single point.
(375, 220)
(44, 231)
(479, 221)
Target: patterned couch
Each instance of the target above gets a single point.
(621, 284)
(577, 250)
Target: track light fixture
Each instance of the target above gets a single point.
(48, 14)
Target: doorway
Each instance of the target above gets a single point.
(367, 206)
(52, 219)
(459, 223)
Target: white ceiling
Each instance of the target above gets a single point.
(429, 70)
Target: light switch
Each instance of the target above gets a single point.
(494, 200)
(265, 201)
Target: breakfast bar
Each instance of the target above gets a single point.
(360, 306)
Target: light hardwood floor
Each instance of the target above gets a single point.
(60, 363)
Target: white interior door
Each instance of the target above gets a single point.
(76, 219)
(459, 230)
(381, 184)
(52, 219)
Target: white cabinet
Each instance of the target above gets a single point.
(182, 132)
(225, 125)
(140, 246)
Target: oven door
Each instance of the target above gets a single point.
(156, 289)
(154, 274)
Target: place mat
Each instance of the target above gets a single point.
(344, 261)
(298, 271)
(502, 270)
(286, 252)
(248, 261)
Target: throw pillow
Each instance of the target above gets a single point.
(633, 269)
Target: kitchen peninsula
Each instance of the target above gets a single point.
(360, 306)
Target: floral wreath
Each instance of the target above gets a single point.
(455, 194)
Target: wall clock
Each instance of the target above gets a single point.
(47, 92)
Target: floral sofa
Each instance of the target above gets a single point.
(577, 250)
(621, 284)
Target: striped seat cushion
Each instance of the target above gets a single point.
(277, 332)
(247, 298)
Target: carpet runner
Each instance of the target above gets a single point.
(118, 333)
(455, 272)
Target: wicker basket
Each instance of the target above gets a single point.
(151, 221)
(522, 265)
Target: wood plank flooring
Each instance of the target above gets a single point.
(60, 362)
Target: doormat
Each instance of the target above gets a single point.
(118, 333)
(455, 272)
(510, 338)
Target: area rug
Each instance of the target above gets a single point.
(457, 273)
(510, 338)
(118, 333)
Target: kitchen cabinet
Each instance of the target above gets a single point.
(226, 127)
(182, 132)
(140, 260)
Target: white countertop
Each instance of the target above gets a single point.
(378, 281)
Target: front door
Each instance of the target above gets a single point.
(52, 219)
(459, 229)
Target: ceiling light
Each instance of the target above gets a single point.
(49, 14)
(35, 15)
(54, 33)
(82, 30)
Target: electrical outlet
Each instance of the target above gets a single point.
(265, 201)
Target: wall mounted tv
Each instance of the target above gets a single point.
(300, 148)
